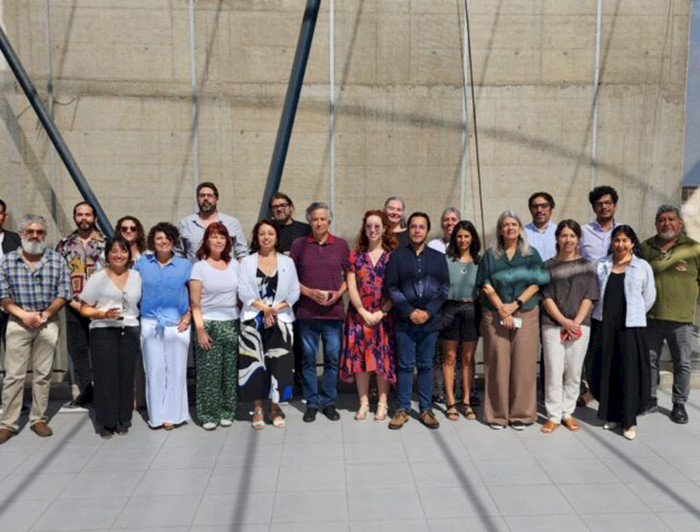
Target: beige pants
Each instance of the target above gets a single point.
(510, 368)
(23, 345)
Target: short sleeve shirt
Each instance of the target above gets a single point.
(570, 282)
(164, 296)
(101, 293)
(219, 290)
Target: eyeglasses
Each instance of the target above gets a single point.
(607, 203)
(206, 195)
(37, 232)
(536, 206)
(279, 206)
(127, 228)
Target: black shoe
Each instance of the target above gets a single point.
(474, 400)
(86, 397)
(652, 406)
(331, 413)
(678, 414)
(310, 414)
(106, 433)
(122, 429)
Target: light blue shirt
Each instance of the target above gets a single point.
(595, 243)
(165, 296)
(640, 291)
(545, 242)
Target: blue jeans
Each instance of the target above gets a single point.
(330, 332)
(416, 348)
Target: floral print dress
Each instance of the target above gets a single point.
(368, 349)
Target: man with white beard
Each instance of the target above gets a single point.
(675, 259)
(34, 286)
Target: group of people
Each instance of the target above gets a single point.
(600, 302)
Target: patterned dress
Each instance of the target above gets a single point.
(368, 349)
(266, 361)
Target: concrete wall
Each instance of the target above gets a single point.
(121, 82)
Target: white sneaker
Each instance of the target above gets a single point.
(497, 426)
(630, 433)
(225, 422)
(209, 426)
(609, 425)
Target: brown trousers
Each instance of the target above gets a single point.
(510, 368)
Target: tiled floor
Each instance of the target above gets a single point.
(350, 476)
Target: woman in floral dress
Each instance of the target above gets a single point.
(369, 331)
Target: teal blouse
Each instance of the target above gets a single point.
(510, 278)
(462, 279)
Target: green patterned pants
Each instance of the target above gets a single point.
(217, 373)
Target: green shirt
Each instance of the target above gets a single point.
(510, 278)
(462, 279)
(676, 275)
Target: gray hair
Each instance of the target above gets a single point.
(402, 223)
(666, 207)
(523, 247)
(29, 219)
(453, 210)
(316, 205)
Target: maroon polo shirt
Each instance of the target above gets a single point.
(319, 266)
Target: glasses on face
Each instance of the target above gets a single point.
(206, 195)
(127, 228)
(37, 232)
(537, 206)
(373, 227)
(279, 206)
(605, 203)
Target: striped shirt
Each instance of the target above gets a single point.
(34, 290)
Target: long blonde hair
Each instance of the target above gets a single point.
(522, 246)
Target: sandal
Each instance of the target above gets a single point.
(451, 413)
(549, 427)
(381, 413)
(362, 412)
(278, 418)
(258, 419)
(570, 423)
(468, 411)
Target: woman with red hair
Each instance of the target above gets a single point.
(213, 295)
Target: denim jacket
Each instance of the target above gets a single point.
(640, 291)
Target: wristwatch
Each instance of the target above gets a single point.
(519, 303)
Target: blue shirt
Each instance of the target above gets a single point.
(545, 242)
(165, 296)
(595, 243)
(417, 282)
(34, 290)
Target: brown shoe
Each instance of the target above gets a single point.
(6, 434)
(41, 429)
(549, 427)
(427, 417)
(570, 423)
(399, 420)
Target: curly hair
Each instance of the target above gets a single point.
(140, 239)
(388, 239)
(215, 228)
(168, 229)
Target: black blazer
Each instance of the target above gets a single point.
(11, 242)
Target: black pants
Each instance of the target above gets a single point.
(114, 353)
(78, 336)
(3, 327)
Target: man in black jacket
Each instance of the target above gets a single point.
(417, 281)
(9, 241)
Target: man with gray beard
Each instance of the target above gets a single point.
(675, 259)
(34, 286)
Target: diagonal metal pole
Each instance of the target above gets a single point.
(291, 102)
(52, 131)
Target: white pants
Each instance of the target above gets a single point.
(165, 364)
(563, 362)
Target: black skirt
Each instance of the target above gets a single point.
(621, 379)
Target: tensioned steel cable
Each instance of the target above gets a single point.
(476, 129)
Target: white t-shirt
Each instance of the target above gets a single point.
(438, 244)
(101, 293)
(219, 290)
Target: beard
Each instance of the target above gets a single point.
(668, 235)
(33, 247)
(207, 207)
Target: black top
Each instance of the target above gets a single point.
(11, 241)
(402, 239)
(290, 232)
(614, 302)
